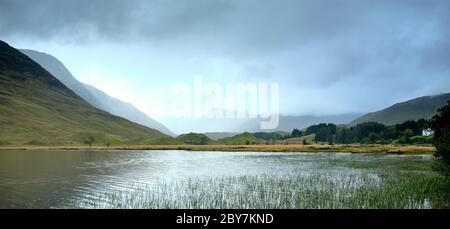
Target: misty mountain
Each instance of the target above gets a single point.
(94, 96)
(422, 107)
(288, 123)
(36, 108)
(216, 127)
(125, 110)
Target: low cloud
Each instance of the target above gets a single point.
(358, 53)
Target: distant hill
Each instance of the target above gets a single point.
(195, 139)
(268, 136)
(217, 128)
(219, 135)
(423, 107)
(94, 96)
(36, 108)
(241, 139)
(288, 123)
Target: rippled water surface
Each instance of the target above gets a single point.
(60, 179)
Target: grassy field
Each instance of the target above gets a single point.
(390, 149)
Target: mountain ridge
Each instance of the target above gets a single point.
(413, 109)
(36, 108)
(93, 95)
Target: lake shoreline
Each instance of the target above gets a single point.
(96, 179)
(389, 149)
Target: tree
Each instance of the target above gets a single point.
(321, 135)
(341, 136)
(203, 140)
(89, 140)
(296, 133)
(305, 142)
(441, 126)
(362, 130)
(330, 139)
(373, 137)
(390, 133)
(407, 134)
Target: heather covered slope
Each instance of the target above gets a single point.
(36, 108)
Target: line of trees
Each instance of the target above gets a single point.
(367, 133)
(441, 126)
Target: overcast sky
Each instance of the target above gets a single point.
(329, 57)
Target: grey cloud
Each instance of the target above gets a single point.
(252, 25)
(45, 19)
(396, 45)
(114, 20)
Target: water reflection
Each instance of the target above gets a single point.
(49, 179)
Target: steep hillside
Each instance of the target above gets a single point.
(94, 96)
(423, 107)
(36, 108)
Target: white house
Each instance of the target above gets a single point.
(427, 132)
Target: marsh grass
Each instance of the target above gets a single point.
(391, 189)
(163, 143)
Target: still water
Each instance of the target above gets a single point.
(53, 179)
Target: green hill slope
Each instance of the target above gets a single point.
(423, 107)
(36, 108)
(241, 139)
(195, 139)
(218, 135)
(92, 95)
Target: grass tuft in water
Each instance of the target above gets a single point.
(400, 189)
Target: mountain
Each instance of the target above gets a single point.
(214, 127)
(94, 96)
(423, 107)
(288, 123)
(125, 110)
(36, 108)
